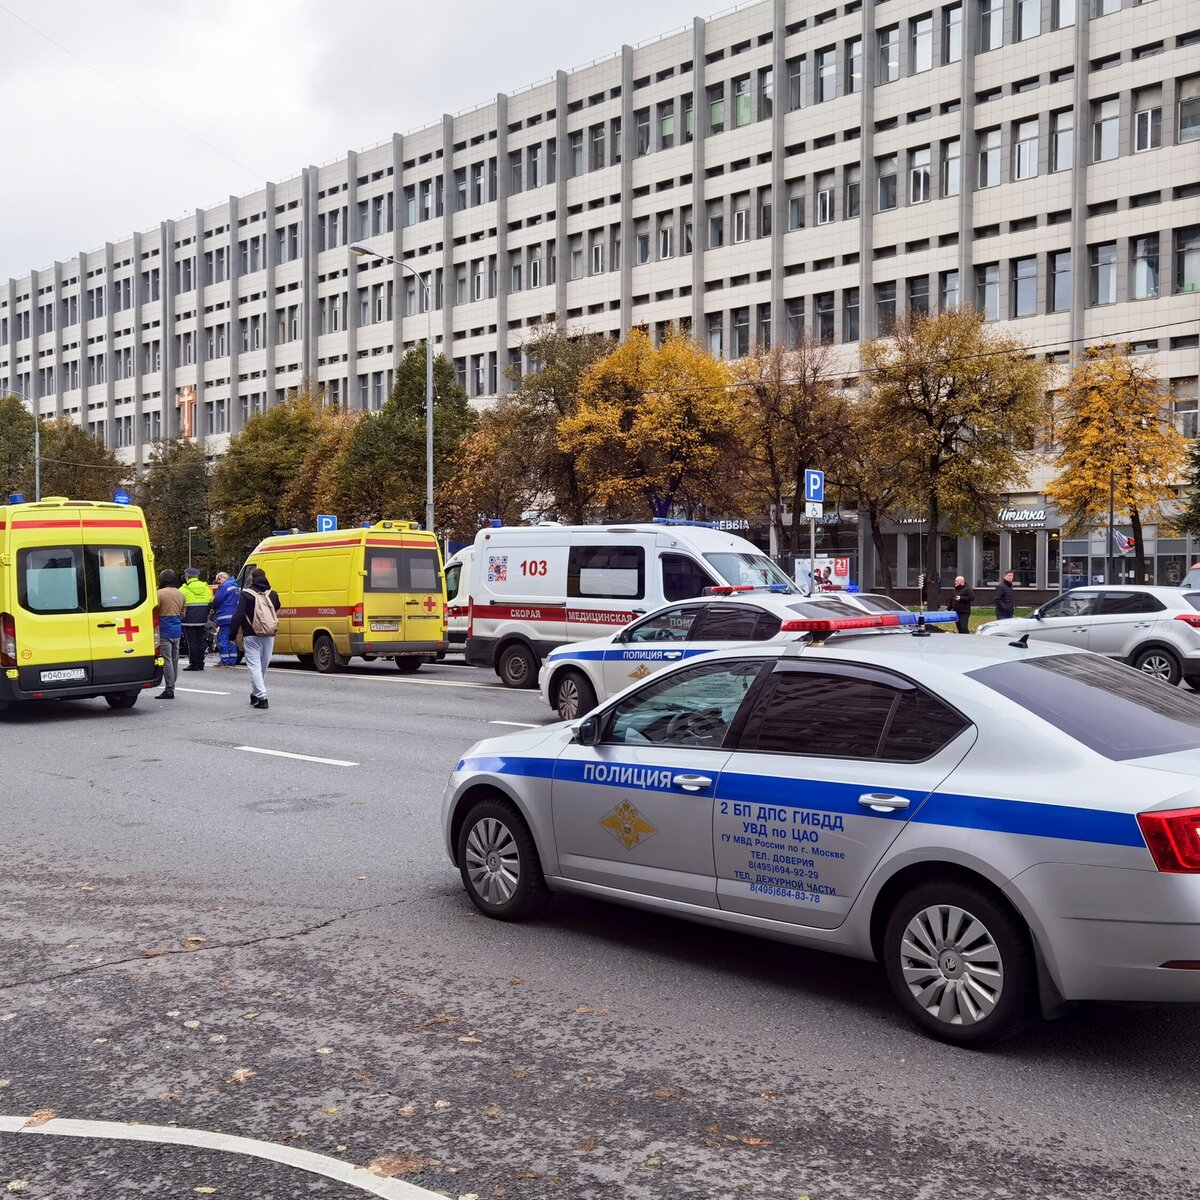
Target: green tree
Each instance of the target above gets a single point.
(1188, 520)
(16, 448)
(656, 430)
(1114, 428)
(382, 471)
(76, 464)
(173, 490)
(958, 399)
(313, 489)
(250, 483)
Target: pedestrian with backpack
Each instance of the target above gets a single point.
(256, 623)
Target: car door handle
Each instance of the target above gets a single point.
(672, 654)
(691, 783)
(106, 625)
(883, 801)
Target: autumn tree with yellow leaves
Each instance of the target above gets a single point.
(1114, 429)
(656, 430)
(956, 401)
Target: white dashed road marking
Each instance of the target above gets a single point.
(517, 724)
(289, 1156)
(203, 692)
(329, 762)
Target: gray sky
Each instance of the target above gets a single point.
(273, 85)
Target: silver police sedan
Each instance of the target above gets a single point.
(1003, 827)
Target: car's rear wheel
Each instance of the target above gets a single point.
(575, 696)
(960, 963)
(1159, 664)
(121, 699)
(499, 862)
(325, 656)
(408, 666)
(517, 666)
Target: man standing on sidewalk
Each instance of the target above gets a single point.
(1006, 600)
(197, 595)
(964, 597)
(256, 622)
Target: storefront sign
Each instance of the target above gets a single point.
(1022, 518)
(731, 524)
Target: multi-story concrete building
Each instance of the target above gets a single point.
(789, 165)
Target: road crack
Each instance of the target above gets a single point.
(145, 956)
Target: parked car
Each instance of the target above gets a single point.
(1001, 826)
(1155, 629)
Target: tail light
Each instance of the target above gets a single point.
(8, 641)
(356, 617)
(1173, 839)
(1192, 619)
(157, 639)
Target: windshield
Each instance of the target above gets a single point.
(757, 569)
(1112, 709)
(882, 604)
(824, 608)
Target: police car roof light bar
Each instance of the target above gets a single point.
(680, 521)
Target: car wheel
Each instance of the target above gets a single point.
(499, 862)
(408, 666)
(517, 667)
(960, 963)
(121, 699)
(575, 696)
(325, 656)
(1159, 664)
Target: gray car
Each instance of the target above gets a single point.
(1155, 629)
(1000, 826)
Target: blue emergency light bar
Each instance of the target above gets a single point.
(680, 521)
(930, 618)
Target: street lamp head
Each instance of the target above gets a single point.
(193, 529)
(359, 248)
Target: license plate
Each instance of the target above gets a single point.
(68, 675)
(385, 626)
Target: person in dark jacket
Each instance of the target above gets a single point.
(197, 595)
(1006, 600)
(256, 644)
(964, 597)
(224, 605)
(171, 607)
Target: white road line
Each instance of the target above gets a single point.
(289, 1156)
(491, 687)
(329, 762)
(203, 692)
(517, 724)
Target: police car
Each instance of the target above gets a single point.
(1002, 826)
(575, 677)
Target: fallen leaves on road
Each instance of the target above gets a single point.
(205, 1191)
(515, 982)
(441, 1105)
(218, 1039)
(583, 1009)
(5, 1083)
(324, 1050)
(8, 1017)
(17, 1185)
(194, 940)
(40, 1117)
(471, 1039)
(492, 1110)
(407, 1110)
(191, 1024)
(99, 1041)
(250, 1016)
(523, 1072)
(755, 1141)
(768, 1095)
(586, 1145)
(667, 1094)
(241, 1075)
(388, 1166)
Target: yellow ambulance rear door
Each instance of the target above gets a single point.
(120, 589)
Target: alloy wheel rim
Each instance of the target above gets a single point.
(568, 700)
(1157, 667)
(493, 861)
(952, 965)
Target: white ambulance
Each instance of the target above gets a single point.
(523, 590)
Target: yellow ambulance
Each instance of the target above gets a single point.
(374, 592)
(78, 602)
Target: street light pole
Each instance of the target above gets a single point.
(1111, 516)
(191, 529)
(365, 251)
(37, 440)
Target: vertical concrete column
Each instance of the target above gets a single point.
(1079, 265)
(233, 345)
(350, 400)
(398, 244)
(699, 216)
(139, 455)
(966, 146)
(167, 281)
(628, 154)
(562, 162)
(310, 241)
(868, 198)
(58, 337)
(503, 186)
(778, 181)
(110, 357)
(270, 263)
(10, 295)
(447, 239)
(198, 425)
(35, 345)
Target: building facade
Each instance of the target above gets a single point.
(784, 166)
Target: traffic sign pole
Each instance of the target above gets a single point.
(814, 497)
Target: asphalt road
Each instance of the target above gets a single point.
(198, 935)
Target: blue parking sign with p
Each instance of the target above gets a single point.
(814, 485)
(326, 524)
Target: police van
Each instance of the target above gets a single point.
(78, 603)
(369, 593)
(530, 589)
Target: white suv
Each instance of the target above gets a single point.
(1155, 629)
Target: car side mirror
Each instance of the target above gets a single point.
(587, 732)
(1038, 615)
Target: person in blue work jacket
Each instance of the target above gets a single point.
(224, 606)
